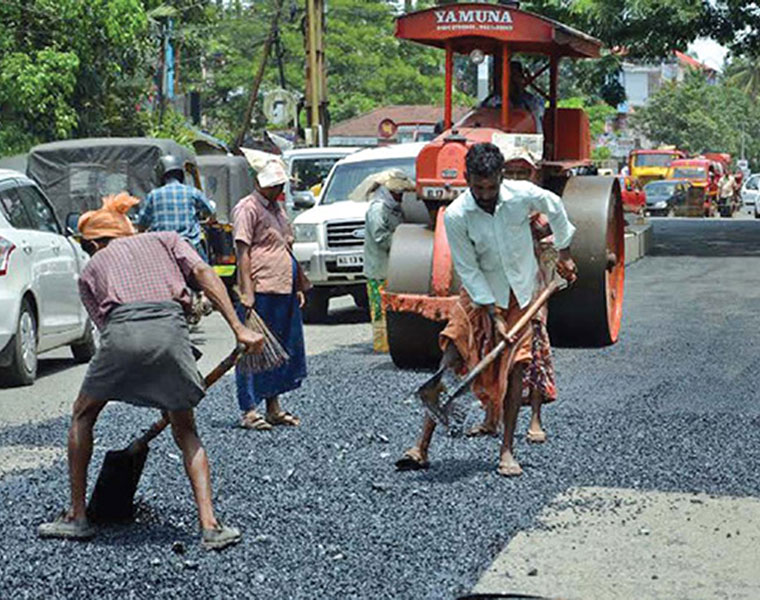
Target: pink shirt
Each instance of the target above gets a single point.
(263, 226)
(148, 267)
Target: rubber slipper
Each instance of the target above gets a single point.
(257, 423)
(536, 437)
(411, 461)
(480, 431)
(66, 529)
(509, 469)
(283, 418)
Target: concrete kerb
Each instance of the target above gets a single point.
(638, 238)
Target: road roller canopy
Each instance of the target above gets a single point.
(488, 27)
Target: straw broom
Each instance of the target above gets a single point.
(272, 353)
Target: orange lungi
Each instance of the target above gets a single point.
(471, 330)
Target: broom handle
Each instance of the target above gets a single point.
(224, 366)
(511, 334)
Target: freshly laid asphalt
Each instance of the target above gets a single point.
(672, 406)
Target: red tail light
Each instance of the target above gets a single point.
(6, 248)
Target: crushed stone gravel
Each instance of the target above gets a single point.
(324, 515)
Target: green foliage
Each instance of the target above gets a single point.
(696, 116)
(601, 153)
(743, 72)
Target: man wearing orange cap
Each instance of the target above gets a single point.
(135, 288)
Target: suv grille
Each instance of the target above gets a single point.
(345, 234)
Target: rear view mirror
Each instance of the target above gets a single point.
(303, 200)
(72, 224)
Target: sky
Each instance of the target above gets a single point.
(709, 52)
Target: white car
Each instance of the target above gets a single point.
(40, 307)
(309, 167)
(750, 194)
(329, 238)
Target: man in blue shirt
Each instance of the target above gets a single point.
(175, 206)
(489, 234)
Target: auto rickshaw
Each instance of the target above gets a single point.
(226, 179)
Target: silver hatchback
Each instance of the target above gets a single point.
(40, 266)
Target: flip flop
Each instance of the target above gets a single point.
(257, 423)
(536, 437)
(283, 418)
(63, 528)
(481, 430)
(509, 470)
(411, 461)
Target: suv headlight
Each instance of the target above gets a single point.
(305, 232)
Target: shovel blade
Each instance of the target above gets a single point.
(113, 496)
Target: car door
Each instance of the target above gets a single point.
(750, 194)
(56, 266)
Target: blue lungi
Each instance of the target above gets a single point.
(282, 316)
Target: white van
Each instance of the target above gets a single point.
(309, 167)
(329, 238)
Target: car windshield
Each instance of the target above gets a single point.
(308, 172)
(652, 160)
(660, 188)
(689, 173)
(347, 176)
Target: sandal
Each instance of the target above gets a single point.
(256, 422)
(481, 430)
(67, 529)
(283, 418)
(536, 437)
(411, 460)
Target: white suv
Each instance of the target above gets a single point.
(329, 238)
(40, 307)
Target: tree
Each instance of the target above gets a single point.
(697, 117)
(743, 72)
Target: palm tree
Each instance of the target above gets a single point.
(744, 73)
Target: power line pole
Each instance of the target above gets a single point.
(316, 87)
(259, 76)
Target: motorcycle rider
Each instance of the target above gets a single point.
(175, 206)
(178, 207)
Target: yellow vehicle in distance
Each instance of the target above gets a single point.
(652, 165)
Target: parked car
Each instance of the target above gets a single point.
(664, 196)
(309, 168)
(329, 238)
(633, 196)
(40, 265)
(750, 194)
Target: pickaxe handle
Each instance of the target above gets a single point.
(210, 379)
(535, 306)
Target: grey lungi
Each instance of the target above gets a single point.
(145, 358)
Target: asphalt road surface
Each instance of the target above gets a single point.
(648, 482)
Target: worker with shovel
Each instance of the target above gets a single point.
(489, 234)
(134, 289)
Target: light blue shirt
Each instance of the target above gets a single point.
(494, 254)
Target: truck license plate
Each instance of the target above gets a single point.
(351, 260)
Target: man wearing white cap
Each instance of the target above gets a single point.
(268, 278)
(384, 191)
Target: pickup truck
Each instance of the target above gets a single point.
(329, 238)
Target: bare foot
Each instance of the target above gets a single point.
(481, 430)
(412, 460)
(508, 466)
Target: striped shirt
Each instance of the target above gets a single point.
(148, 267)
(175, 207)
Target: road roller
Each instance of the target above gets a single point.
(422, 285)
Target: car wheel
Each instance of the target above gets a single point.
(23, 367)
(315, 309)
(85, 349)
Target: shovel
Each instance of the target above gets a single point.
(112, 498)
(440, 403)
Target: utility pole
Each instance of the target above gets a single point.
(316, 88)
(259, 75)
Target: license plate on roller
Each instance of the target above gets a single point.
(351, 260)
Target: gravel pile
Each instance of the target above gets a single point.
(324, 515)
